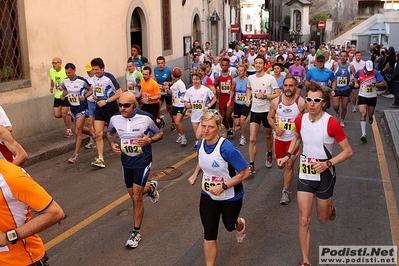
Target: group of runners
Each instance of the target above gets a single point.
(284, 87)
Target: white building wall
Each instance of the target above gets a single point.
(77, 31)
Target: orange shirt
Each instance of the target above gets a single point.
(19, 193)
(150, 89)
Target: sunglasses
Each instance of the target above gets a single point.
(297, 59)
(124, 105)
(315, 100)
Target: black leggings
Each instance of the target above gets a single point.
(210, 211)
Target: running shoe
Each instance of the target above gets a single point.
(68, 133)
(363, 138)
(162, 123)
(242, 141)
(133, 240)
(154, 195)
(285, 198)
(98, 162)
(304, 264)
(73, 159)
(342, 123)
(269, 161)
(179, 138)
(91, 144)
(241, 234)
(371, 120)
(183, 141)
(195, 144)
(230, 134)
(354, 109)
(251, 169)
(394, 106)
(173, 127)
(333, 214)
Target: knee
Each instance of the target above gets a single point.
(304, 220)
(137, 199)
(252, 140)
(322, 219)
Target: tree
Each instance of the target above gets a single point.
(319, 16)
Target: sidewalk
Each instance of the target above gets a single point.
(52, 144)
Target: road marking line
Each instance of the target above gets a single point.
(55, 241)
(388, 189)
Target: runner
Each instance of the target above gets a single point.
(342, 93)
(134, 146)
(91, 107)
(367, 80)
(317, 130)
(222, 190)
(150, 95)
(281, 117)
(163, 76)
(178, 90)
(226, 106)
(299, 72)
(76, 90)
(199, 98)
(133, 78)
(356, 65)
(239, 94)
(261, 89)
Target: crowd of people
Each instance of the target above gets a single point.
(285, 86)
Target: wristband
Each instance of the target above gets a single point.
(288, 154)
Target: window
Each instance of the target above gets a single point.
(248, 27)
(166, 25)
(10, 51)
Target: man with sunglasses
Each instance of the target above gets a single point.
(134, 146)
(318, 131)
(281, 117)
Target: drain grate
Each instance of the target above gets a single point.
(168, 173)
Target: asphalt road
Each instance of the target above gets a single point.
(99, 212)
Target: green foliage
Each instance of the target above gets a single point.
(319, 16)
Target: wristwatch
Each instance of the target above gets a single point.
(329, 163)
(288, 154)
(12, 236)
(106, 101)
(224, 186)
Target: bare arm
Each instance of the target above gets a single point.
(20, 154)
(51, 215)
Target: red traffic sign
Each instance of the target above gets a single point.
(321, 25)
(235, 28)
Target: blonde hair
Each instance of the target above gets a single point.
(212, 114)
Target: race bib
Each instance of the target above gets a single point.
(342, 81)
(73, 99)
(287, 124)
(260, 91)
(211, 181)
(368, 90)
(198, 105)
(130, 147)
(241, 97)
(99, 91)
(225, 87)
(175, 100)
(306, 170)
(132, 88)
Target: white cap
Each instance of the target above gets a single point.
(338, 44)
(369, 65)
(230, 50)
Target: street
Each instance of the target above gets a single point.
(99, 211)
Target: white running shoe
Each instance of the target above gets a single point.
(342, 123)
(154, 195)
(242, 141)
(354, 109)
(183, 141)
(179, 138)
(133, 240)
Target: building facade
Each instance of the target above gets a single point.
(33, 32)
